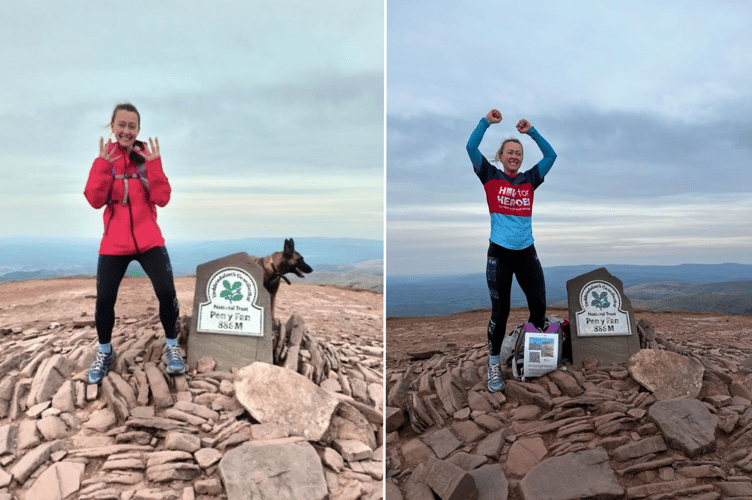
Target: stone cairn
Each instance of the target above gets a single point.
(144, 435)
(675, 422)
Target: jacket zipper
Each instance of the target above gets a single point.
(130, 212)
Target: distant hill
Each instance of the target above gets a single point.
(410, 296)
(368, 275)
(345, 261)
(730, 297)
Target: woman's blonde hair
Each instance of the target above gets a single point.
(501, 148)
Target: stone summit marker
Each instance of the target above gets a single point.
(231, 319)
(601, 319)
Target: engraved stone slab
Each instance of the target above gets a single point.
(231, 319)
(601, 319)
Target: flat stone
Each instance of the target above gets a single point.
(31, 460)
(179, 471)
(525, 412)
(64, 398)
(269, 430)
(491, 482)
(157, 494)
(416, 452)
(395, 417)
(659, 370)
(5, 480)
(566, 383)
(737, 388)
(125, 463)
(735, 489)
(331, 385)
(450, 482)
(392, 491)
(160, 391)
(416, 487)
(492, 444)
(7, 435)
(106, 451)
(517, 392)
(275, 472)
(584, 474)
(467, 461)
(442, 442)
(164, 457)
(476, 402)
(184, 417)
(352, 450)
(101, 420)
(640, 448)
(52, 428)
(274, 394)
(205, 364)
(332, 459)
(468, 431)
(180, 441)
(197, 410)
(50, 375)
(489, 423)
(206, 457)
(57, 482)
(524, 455)
(341, 428)
(165, 424)
(660, 488)
(686, 424)
(28, 435)
(142, 412)
(210, 486)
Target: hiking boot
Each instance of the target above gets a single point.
(101, 366)
(495, 382)
(173, 360)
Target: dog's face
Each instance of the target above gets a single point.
(293, 261)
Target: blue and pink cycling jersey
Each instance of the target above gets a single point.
(510, 199)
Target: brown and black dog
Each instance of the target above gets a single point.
(278, 264)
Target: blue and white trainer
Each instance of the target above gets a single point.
(101, 366)
(495, 382)
(174, 360)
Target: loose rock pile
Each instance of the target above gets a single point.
(598, 432)
(145, 435)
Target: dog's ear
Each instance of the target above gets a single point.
(289, 248)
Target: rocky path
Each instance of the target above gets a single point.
(144, 435)
(598, 432)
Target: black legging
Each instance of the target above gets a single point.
(110, 272)
(501, 266)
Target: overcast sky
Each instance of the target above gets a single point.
(269, 114)
(647, 104)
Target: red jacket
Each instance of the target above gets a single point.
(129, 228)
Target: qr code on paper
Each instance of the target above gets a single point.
(535, 356)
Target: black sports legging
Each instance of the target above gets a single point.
(502, 264)
(110, 272)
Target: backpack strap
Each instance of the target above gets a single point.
(141, 174)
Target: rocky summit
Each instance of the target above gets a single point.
(673, 423)
(307, 427)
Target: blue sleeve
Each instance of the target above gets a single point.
(474, 142)
(549, 156)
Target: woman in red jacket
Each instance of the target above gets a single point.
(127, 179)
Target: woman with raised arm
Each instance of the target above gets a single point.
(128, 180)
(511, 251)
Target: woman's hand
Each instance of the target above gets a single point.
(106, 152)
(493, 116)
(523, 126)
(151, 151)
